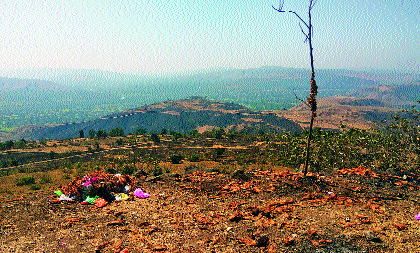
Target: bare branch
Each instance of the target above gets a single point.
(279, 10)
(301, 100)
(312, 4)
(281, 4)
(299, 18)
(306, 36)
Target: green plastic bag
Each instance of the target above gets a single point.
(58, 192)
(91, 200)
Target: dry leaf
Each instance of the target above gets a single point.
(115, 223)
(400, 226)
(247, 241)
(289, 241)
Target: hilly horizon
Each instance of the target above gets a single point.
(201, 114)
(59, 97)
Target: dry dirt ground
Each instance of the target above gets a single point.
(355, 210)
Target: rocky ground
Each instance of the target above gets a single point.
(355, 210)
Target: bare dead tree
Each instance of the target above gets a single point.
(314, 88)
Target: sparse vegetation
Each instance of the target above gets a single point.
(155, 138)
(116, 132)
(194, 158)
(176, 158)
(27, 180)
(128, 170)
(242, 158)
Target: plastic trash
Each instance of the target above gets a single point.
(417, 216)
(91, 200)
(101, 202)
(90, 181)
(124, 250)
(127, 188)
(64, 197)
(140, 194)
(121, 196)
(58, 192)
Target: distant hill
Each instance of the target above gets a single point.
(176, 115)
(404, 95)
(362, 113)
(59, 96)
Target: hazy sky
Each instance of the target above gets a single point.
(156, 36)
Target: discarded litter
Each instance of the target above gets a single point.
(91, 200)
(121, 196)
(64, 197)
(58, 192)
(140, 194)
(101, 202)
(417, 217)
(90, 181)
(100, 188)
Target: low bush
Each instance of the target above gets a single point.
(35, 187)
(45, 178)
(194, 158)
(127, 170)
(176, 159)
(25, 181)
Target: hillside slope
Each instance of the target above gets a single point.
(362, 113)
(176, 115)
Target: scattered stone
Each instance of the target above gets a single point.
(140, 173)
(263, 241)
(370, 236)
(236, 216)
(191, 169)
(153, 179)
(241, 175)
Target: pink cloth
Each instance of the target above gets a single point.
(90, 181)
(140, 194)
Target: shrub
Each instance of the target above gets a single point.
(194, 158)
(101, 134)
(220, 152)
(176, 159)
(119, 141)
(35, 187)
(52, 155)
(116, 132)
(141, 131)
(45, 178)
(176, 135)
(155, 138)
(25, 181)
(157, 171)
(127, 170)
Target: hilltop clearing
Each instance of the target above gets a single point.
(354, 210)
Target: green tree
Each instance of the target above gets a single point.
(20, 144)
(101, 134)
(141, 131)
(92, 134)
(155, 138)
(116, 132)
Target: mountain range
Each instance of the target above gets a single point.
(58, 97)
